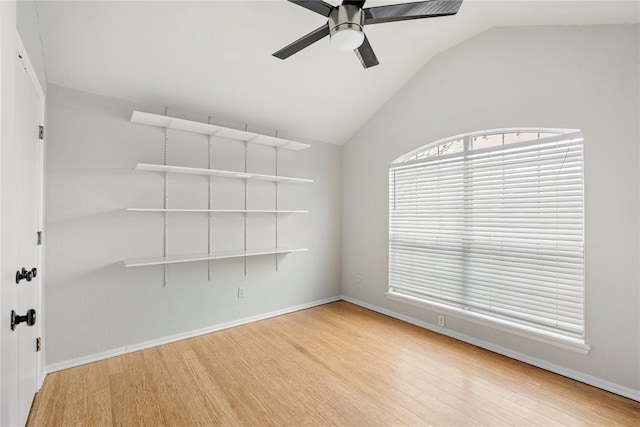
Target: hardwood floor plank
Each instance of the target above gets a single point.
(99, 410)
(170, 392)
(143, 392)
(123, 412)
(177, 385)
(212, 393)
(336, 364)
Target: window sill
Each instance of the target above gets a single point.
(573, 344)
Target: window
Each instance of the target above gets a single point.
(490, 226)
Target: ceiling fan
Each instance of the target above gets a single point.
(346, 23)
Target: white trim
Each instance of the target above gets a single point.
(547, 337)
(552, 367)
(178, 337)
(26, 61)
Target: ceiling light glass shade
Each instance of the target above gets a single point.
(347, 39)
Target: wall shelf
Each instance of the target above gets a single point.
(142, 262)
(214, 130)
(272, 211)
(219, 173)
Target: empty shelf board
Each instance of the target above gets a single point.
(218, 131)
(279, 211)
(220, 173)
(141, 262)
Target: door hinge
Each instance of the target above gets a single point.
(38, 344)
(41, 132)
(39, 239)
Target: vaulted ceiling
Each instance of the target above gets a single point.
(215, 57)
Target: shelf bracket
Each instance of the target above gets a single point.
(166, 201)
(210, 206)
(246, 196)
(276, 191)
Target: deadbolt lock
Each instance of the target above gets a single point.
(25, 274)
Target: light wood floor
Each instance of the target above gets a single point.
(333, 364)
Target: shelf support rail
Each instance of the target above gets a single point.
(210, 207)
(246, 195)
(166, 201)
(276, 215)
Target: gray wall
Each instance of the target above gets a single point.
(95, 304)
(566, 77)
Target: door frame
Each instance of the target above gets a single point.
(40, 373)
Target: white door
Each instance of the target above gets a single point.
(27, 122)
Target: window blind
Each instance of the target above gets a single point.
(497, 231)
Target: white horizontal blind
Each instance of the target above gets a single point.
(498, 231)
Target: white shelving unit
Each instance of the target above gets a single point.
(142, 262)
(219, 173)
(214, 131)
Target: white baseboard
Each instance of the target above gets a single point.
(552, 367)
(178, 337)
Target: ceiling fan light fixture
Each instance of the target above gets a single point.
(347, 39)
(345, 27)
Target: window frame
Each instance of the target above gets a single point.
(412, 159)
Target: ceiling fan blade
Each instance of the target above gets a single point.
(303, 42)
(406, 11)
(366, 55)
(358, 3)
(317, 6)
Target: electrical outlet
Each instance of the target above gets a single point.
(358, 278)
(441, 321)
(240, 292)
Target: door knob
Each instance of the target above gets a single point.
(16, 319)
(25, 274)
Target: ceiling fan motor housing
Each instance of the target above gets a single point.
(347, 18)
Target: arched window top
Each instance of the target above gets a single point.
(486, 139)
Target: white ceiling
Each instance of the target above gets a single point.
(215, 57)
